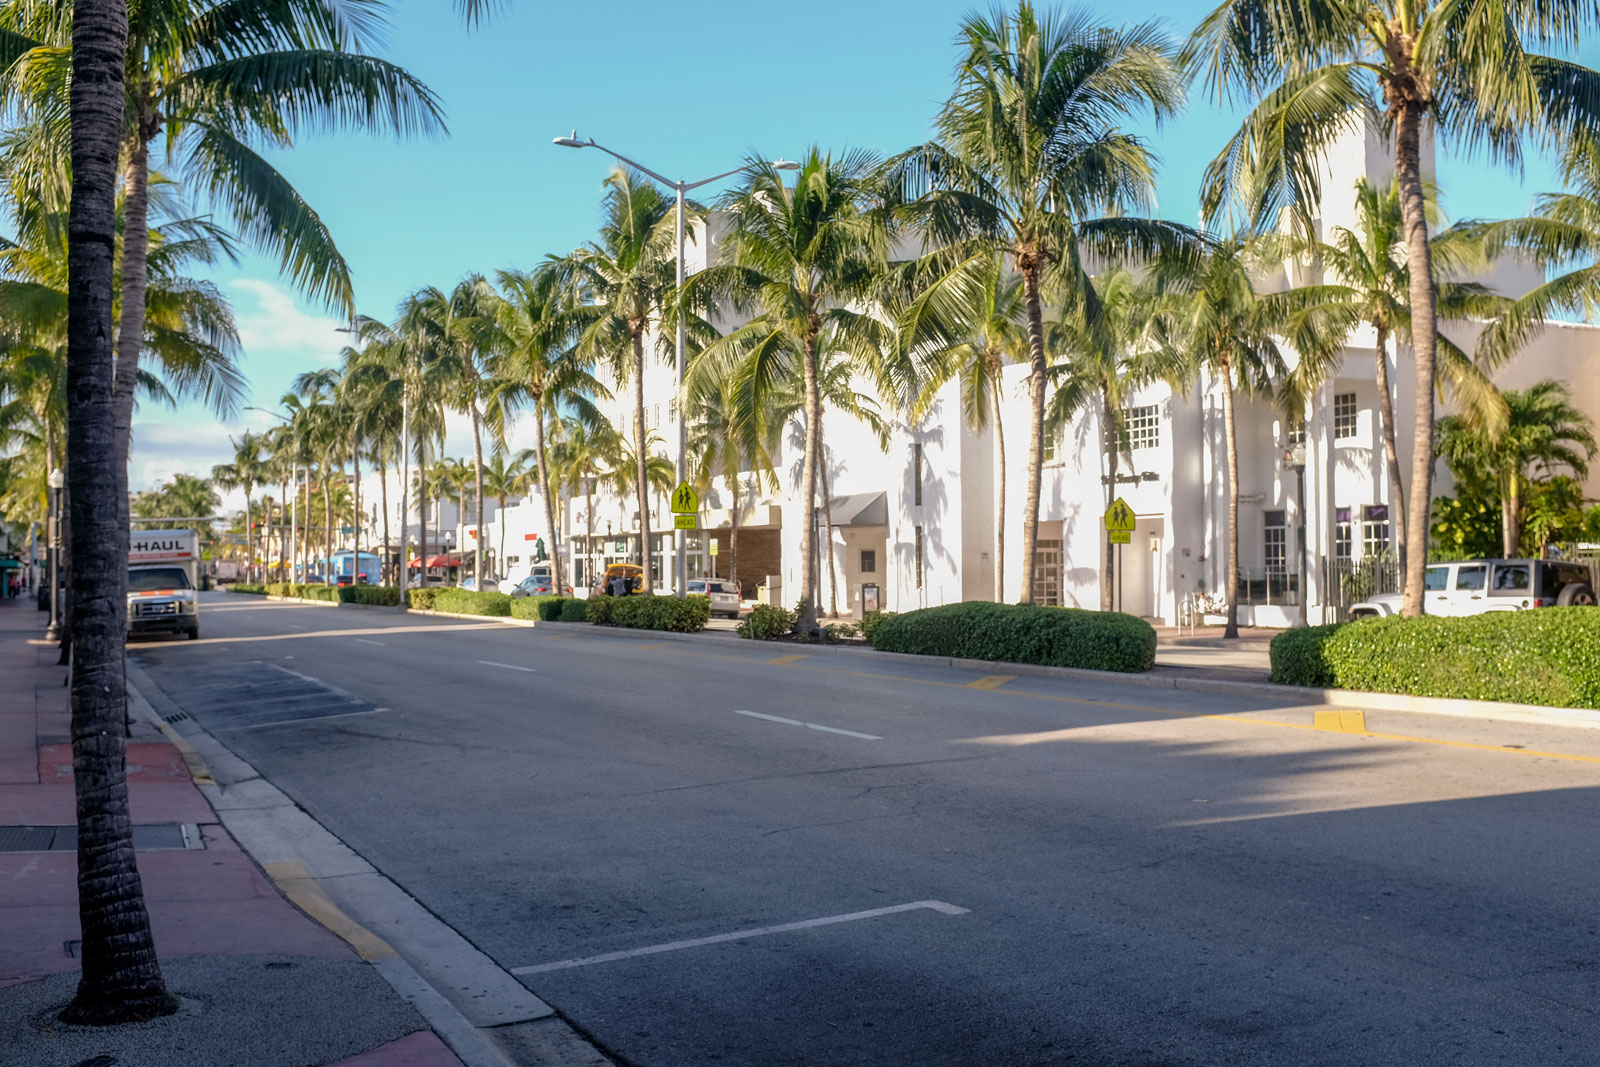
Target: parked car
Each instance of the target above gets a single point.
(631, 574)
(540, 583)
(724, 595)
(1479, 586)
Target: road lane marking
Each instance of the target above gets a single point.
(739, 935)
(807, 725)
(297, 722)
(1340, 721)
(783, 661)
(507, 666)
(369, 641)
(991, 681)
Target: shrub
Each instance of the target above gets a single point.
(840, 631)
(422, 599)
(1547, 656)
(524, 608)
(473, 602)
(1022, 633)
(766, 622)
(279, 589)
(597, 609)
(574, 610)
(685, 616)
(245, 587)
(871, 621)
(386, 596)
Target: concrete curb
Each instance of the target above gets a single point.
(1160, 678)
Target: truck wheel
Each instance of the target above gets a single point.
(1578, 594)
(194, 634)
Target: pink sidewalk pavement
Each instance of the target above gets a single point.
(203, 901)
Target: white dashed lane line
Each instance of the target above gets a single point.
(807, 725)
(507, 666)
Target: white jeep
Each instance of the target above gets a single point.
(1478, 586)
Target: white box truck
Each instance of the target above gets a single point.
(163, 582)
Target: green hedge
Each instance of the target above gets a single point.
(524, 608)
(549, 608)
(245, 587)
(422, 599)
(383, 596)
(597, 609)
(871, 621)
(685, 616)
(1022, 633)
(766, 622)
(1548, 656)
(575, 610)
(472, 602)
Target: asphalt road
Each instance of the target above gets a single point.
(1050, 873)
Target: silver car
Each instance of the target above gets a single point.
(724, 595)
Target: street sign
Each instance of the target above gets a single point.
(685, 522)
(1119, 537)
(1119, 517)
(713, 548)
(685, 501)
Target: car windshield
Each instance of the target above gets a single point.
(697, 587)
(150, 579)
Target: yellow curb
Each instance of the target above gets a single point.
(1340, 721)
(296, 883)
(199, 773)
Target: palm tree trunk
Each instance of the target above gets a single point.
(641, 459)
(135, 279)
(588, 495)
(1424, 336)
(383, 498)
(806, 621)
(477, 468)
(1397, 493)
(327, 530)
(1510, 507)
(549, 506)
(121, 978)
(1036, 389)
(1000, 490)
(355, 519)
(283, 538)
(733, 536)
(827, 521)
(1231, 539)
(249, 535)
(500, 554)
(422, 512)
(1109, 444)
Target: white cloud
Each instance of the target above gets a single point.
(277, 325)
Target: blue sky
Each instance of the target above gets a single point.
(688, 89)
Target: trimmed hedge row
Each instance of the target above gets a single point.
(549, 609)
(686, 616)
(1022, 633)
(248, 588)
(472, 602)
(381, 595)
(1548, 656)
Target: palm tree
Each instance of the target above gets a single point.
(626, 279)
(725, 442)
(218, 85)
(248, 470)
(1370, 285)
(1030, 157)
(581, 455)
(537, 328)
(1208, 316)
(1543, 431)
(797, 257)
(502, 479)
(1425, 67)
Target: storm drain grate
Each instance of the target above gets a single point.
(146, 838)
(176, 717)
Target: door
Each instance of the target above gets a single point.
(1468, 589)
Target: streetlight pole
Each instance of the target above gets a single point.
(57, 481)
(1294, 458)
(681, 570)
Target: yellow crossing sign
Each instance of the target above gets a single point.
(685, 501)
(686, 522)
(1119, 516)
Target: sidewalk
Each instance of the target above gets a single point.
(259, 982)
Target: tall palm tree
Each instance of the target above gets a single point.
(581, 455)
(502, 479)
(1209, 317)
(797, 257)
(219, 86)
(537, 328)
(1030, 158)
(1543, 431)
(248, 470)
(121, 977)
(1467, 72)
(726, 443)
(1369, 285)
(626, 279)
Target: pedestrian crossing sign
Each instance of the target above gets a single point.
(685, 501)
(1119, 517)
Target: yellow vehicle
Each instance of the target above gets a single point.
(631, 573)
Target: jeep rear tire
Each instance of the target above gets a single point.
(1578, 594)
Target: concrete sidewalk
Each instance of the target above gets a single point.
(259, 982)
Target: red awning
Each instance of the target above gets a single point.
(439, 561)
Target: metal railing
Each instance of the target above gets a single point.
(1350, 581)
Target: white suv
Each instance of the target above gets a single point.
(1479, 586)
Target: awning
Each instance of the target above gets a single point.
(8, 564)
(860, 509)
(439, 561)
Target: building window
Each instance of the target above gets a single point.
(1374, 529)
(1047, 573)
(672, 410)
(1341, 533)
(919, 557)
(1049, 447)
(1277, 543)
(1141, 428)
(1344, 415)
(1294, 431)
(916, 474)
(869, 561)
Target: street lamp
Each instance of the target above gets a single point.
(1294, 457)
(57, 482)
(681, 187)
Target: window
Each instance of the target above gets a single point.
(1470, 578)
(1047, 573)
(1344, 415)
(1434, 579)
(916, 474)
(672, 411)
(1294, 433)
(1277, 543)
(1374, 529)
(1341, 533)
(1513, 578)
(1141, 427)
(869, 561)
(919, 557)
(1049, 447)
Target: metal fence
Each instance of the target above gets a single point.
(1268, 585)
(1350, 581)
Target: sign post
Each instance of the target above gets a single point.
(685, 516)
(1119, 519)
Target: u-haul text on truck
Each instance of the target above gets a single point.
(163, 582)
